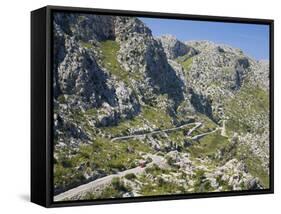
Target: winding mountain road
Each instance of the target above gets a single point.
(158, 160)
(197, 124)
(101, 182)
(197, 137)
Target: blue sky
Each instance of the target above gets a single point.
(251, 38)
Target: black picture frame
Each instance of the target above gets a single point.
(41, 105)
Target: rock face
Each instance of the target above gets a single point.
(141, 53)
(112, 78)
(80, 75)
(85, 27)
(233, 173)
(175, 48)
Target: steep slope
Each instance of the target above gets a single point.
(234, 88)
(121, 94)
(175, 48)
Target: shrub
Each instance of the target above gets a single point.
(118, 185)
(115, 182)
(130, 176)
(61, 99)
(170, 160)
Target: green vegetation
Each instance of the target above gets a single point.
(208, 145)
(201, 185)
(158, 185)
(85, 150)
(109, 49)
(161, 187)
(256, 169)
(253, 163)
(148, 114)
(225, 186)
(118, 184)
(115, 190)
(170, 160)
(102, 155)
(108, 192)
(66, 176)
(130, 176)
(92, 112)
(177, 136)
(108, 156)
(61, 99)
(77, 116)
(86, 45)
(186, 63)
(227, 70)
(81, 119)
(207, 123)
(248, 103)
(155, 170)
(160, 118)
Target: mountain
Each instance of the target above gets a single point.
(193, 114)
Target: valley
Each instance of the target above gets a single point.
(138, 115)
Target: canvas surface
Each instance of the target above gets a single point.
(141, 112)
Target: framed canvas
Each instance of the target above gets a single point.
(131, 106)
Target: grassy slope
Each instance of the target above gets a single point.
(114, 190)
(208, 145)
(185, 62)
(105, 156)
(244, 108)
(253, 163)
(148, 115)
(248, 103)
(101, 155)
(109, 50)
(154, 184)
(116, 155)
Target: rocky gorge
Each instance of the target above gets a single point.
(194, 115)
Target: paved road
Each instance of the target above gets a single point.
(197, 124)
(99, 183)
(223, 130)
(160, 161)
(193, 129)
(197, 137)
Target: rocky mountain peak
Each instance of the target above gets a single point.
(123, 97)
(209, 46)
(126, 27)
(175, 48)
(86, 27)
